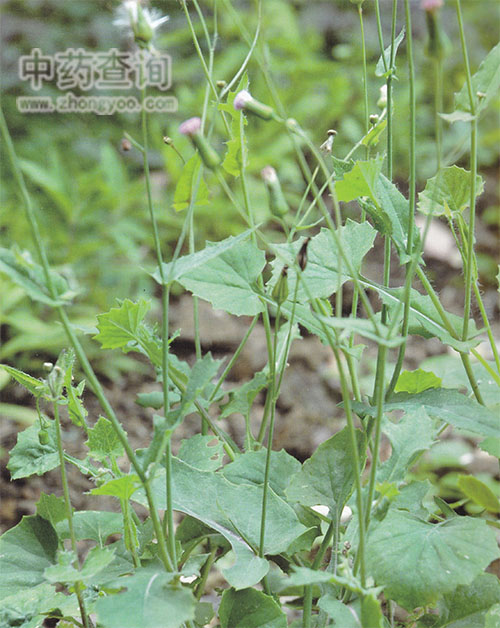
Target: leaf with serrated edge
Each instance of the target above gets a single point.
(150, 600)
(29, 457)
(103, 440)
(417, 561)
(445, 404)
(448, 191)
(25, 552)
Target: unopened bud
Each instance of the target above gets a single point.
(302, 254)
(480, 95)
(277, 202)
(382, 101)
(126, 145)
(48, 366)
(221, 84)
(374, 119)
(168, 140)
(246, 102)
(192, 128)
(280, 290)
(438, 42)
(431, 5)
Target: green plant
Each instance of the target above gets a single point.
(348, 545)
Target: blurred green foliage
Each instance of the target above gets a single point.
(90, 195)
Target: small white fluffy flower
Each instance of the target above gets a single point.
(141, 23)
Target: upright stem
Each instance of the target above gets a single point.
(473, 174)
(411, 204)
(365, 76)
(92, 380)
(69, 512)
(165, 345)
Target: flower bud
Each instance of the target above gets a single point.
(192, 128)
(221, 84)
(280, 290)
(246, 102)
(382, 101)
(302, 254)
(125, 145)
(438, 42)
(43, 437)
(374, 119)
(277, 202)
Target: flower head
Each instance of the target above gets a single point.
(190, 127)
(242, 99)
(139, 22)
(382, 101)
(268, 174)
(245, 101)
(431, 5)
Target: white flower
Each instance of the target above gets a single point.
(141, 23)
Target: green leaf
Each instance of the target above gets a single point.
(76, 409)
(448, 191)
(417, 562)
(250, 609)
(199, 382)
(35, 386)
(51, 508)
(424, 319)
(360, 181)
(491, 445)
(327, 478)
(467, 606)
(412, 435)
(486, 80)
(123, 487)
(28, 607)
(373, 135)
(492, 619)
(93, 525)
(343, 616)
(202, 452)
(323, 259)
(371, 613)
(479, 493)
(380, 69)
(386, 205)
(97, 559)
(249, 468)
(227, 280)
(121, 324)
(21, 269)
(103, 441)
(417, 381)
(150, 601)
(241, 399)
(191, 263)
(185, 189)
(29, 457)
(302, 576)
(229, 509)
(444, 404)
(25, 552)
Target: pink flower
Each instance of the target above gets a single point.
(269, 174)
(242, 99)
(190, 127)
(431, 5)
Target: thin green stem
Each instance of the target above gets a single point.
(92, 380)
(365, 76)
(165, 344)
(308, 590)
(69, 512)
